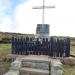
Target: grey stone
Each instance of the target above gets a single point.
(32, 65)
(42, 31)
(11, 72)
(31, 71)
(56, 67)
(16, 65)
(44, 66)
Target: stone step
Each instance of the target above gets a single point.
(44, 66)
(36, 58)
(31, 71)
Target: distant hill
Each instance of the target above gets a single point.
(6, 36)
(10, 34)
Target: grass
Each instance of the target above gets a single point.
(69, 69)
(5, 49)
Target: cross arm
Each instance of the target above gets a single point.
(41, 7)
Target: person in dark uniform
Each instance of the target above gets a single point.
(68, 47)
(43, 46)
(13, 48)
(27, 45)
(47, 47)
(51, 54)
(37, 46)
(61, 48)
(58, 48)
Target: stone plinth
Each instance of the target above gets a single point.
(42, 31)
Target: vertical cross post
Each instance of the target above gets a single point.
(43, 7)
(43, 17)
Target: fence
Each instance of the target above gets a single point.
(51, 47)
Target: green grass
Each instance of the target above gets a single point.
(4, 67)
(69, 70)
(5, 49)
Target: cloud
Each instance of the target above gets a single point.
(61, 19)
(7, 15)
(6, 24)
(28, 18)
(25, 19)
(7, 7)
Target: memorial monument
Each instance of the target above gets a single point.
(42, 30)
(39, 62)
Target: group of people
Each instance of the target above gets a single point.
(51, 47)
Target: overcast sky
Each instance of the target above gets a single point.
(18, 16)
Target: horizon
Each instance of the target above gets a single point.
(33, 34)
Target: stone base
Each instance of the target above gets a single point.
(42, 31)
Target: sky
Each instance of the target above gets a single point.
(18, 16)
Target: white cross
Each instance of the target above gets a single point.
(43, 10)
